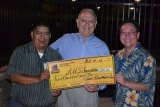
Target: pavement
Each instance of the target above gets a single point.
(106, 102)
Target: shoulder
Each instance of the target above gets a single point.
(119, 54)
(69, 36)
(53, 52)
(22, 48)
(99, 43)
(66, 37)
(148, 58)
(141, 52)
(20, 51)
(145, 58)
(95, 38)
(145, 54)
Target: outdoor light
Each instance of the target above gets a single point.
(98, 7)
(132, 8)
(137, 1)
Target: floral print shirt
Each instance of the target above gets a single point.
(138, 67)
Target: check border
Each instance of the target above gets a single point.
(72, 73)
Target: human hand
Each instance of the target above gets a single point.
(3, 68)
(55, 92)
(91, 88)
(44, 75)
(120, 79)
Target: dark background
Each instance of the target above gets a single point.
(17, 16)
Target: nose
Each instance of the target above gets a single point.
(42, 35)
(87, 23)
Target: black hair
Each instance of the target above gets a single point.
(130, 21)
(40, 22)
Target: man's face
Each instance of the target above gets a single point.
(40, 37)
(129, 35)
(86, 24)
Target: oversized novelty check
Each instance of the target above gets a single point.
(78, 72)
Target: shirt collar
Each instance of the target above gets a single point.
(137, 48)
(32, 48)
(88, 39)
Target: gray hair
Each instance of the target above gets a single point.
(88, 10)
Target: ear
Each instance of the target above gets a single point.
(32, 34)
(95, 23)
(50, 35)
(138, 35)
(77, 21)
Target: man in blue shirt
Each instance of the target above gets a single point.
(80, 45)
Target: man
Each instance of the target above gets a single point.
(80, 45)
(30, 85)
(135, 70)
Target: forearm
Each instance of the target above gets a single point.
(25, 79)
(136, 86)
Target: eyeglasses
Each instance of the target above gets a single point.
(128, 33)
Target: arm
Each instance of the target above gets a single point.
(146, 76)
(26, 79)
(132, 85)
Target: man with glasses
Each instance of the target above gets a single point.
(135, 70)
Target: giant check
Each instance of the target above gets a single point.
(78, 72)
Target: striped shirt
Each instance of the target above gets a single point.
(26, 60)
